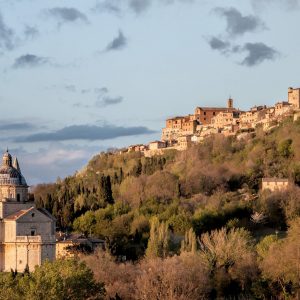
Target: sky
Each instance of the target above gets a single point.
(81, 77)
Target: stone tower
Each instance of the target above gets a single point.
(294, 97)
(230, 103)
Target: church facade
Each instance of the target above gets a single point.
(27, 234)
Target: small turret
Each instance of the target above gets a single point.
(7, 159)
(16, 164)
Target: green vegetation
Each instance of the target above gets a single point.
(193, 214)
(63, 279)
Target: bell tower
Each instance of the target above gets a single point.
(230, 103)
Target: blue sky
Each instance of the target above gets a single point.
(79, 77)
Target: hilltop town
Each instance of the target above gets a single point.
(183, 131)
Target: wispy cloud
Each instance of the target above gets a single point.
(7, 38)
(84, 132)
(139, 6)
(218, 44)
(118, 43)
(286, 4)
(16, 126)
(67, 15)
(258, 53)
(237, 24)
(102, 95)
(107, 100)
(46, 164)
(110, 6)
(30, 61)
(30, 32)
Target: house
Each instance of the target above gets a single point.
(275, 184)
(156, 145)
(69, 245)
(204, 115)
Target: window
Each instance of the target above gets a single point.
(204, 119)
(205, 113)
(214, 113)
(32, 233)
(18, 197)
(32, 214)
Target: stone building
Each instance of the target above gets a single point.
(179, 126)
(294, 97)
(204, 115)
(27, 234)
(275, 184)
(282, 108)
(225, 118)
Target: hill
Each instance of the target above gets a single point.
(206, 187)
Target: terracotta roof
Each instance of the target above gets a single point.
(216, 108)
(18, 214)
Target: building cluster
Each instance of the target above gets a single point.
(183, 131)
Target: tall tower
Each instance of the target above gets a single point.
(230, 103)
(294, 97)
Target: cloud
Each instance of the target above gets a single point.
(103, 98)
(139, 6)
(110, 6)
(56, 160)
(106, 101)
(258, 53)
(30, 32)
(84, 132)
(29, 61)
(118, 43)
(218, 44)
(117, 7)
(6, 36)
(70, 88)
(237, 24)
(287, 4)
(11, 126)
(67, 15)
(102, 95)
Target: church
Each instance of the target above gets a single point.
(27, 234)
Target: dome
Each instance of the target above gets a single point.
(9, 174)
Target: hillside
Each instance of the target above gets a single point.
(199, 209)
(205, 187)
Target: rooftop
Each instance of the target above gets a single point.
(275, 180)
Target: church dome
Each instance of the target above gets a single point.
(10, 174)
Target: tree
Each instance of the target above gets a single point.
(158, 244)
(189, 244)
(285, 148)
(231, 260)
(281, 264)
(85, 223)
(62, 279)
(173, 278)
